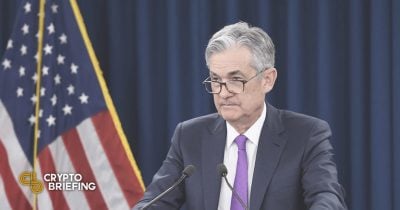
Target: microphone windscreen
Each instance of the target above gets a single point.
(189, 169)
(221, 169)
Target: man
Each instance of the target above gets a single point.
(276, 159)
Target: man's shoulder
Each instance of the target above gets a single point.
(202, 120)
(296, 116)
(298, 125)
(199, 125)
(290, 118)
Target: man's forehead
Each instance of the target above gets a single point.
(233, 61)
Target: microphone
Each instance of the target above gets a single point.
(223, 171)
(188, 171)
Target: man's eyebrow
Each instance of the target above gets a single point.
(232, 73)
(235, 73)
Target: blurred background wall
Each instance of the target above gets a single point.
(338, 60)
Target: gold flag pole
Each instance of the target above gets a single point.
(38, 84)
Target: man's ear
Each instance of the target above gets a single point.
(270, 76)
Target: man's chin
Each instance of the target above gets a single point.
(229, 115)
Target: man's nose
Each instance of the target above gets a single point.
(224, 92)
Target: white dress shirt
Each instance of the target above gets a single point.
(231, 155)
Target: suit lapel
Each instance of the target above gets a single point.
(213, 146)
(269, 150)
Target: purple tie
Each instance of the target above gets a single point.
(240, 184)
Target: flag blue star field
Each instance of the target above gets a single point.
(78, 129)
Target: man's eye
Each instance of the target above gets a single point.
(237, 78)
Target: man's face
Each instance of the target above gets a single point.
(234, 64)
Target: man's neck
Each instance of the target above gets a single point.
(242, 126)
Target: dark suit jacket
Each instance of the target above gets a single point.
(294, 167)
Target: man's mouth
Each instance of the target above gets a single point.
(228, 104)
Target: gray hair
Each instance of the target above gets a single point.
(241, 34)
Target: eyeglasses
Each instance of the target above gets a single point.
(232, 86)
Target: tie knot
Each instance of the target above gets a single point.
(241, 142)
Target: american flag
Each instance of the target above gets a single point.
(78, 129)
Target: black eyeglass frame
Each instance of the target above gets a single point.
(208, 80)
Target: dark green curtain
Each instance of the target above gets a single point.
(336, 60)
